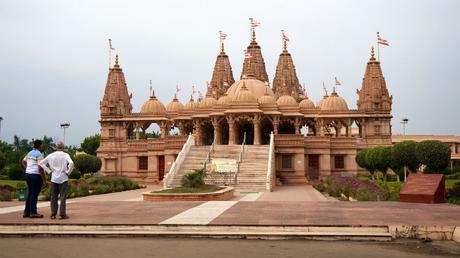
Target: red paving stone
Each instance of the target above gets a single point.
(339, 213)
(256, 213)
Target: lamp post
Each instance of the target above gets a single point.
(404, 122)
(64, 126)
(1, 119)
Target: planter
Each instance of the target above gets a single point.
(225, 194)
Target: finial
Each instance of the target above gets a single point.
(372, 54)
(152, 92)
(244, 86)
(266, 92)
(116, 61)
(325, 90)
(222, 50)
(284, 39)
(175, 97)
(304, 91)
(253, 35)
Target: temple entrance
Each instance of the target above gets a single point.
(161, 167)
(286, 127)
(313, 167)
(224, 132)
(207, 130)
(248, 128)
(266, 127)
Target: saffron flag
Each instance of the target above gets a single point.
(254, 23)
(177, 88)
(223, 36)
(110, 45)
(285, 38)
(382, 41)
(337, 82)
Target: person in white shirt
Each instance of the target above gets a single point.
(59, 165)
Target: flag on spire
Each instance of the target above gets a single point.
(223, 36)
(337, 82)
(254, 23)
(110, 45)
(381, 41)
(247, 54)
(284, 36)
(193, 89)
(177, 88)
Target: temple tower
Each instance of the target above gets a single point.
(255, 64)
(222, 76)
(286, 81)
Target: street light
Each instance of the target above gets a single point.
(1, 119)
(64, 126)
(404, 121)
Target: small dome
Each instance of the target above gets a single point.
(287, 101)
(243, 95)
(267, 99)
(207, 102)
(224, 100)
(153, 106)
(174, 106)
(306, 103)
(256, 87)
(190, 105)
(333, 103)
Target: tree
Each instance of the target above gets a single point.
(383, 159)
(434, 154)
(2, 161)
(15, 172)
(371, 161)
(90, 144)
(86, 163)
(361, 158)
(404, 156)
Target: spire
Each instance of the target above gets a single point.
(255, 64)
(222, 76)
(152, 91)
(286, 81)
(116, 100)
(373, 95)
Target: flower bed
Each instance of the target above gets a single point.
(7, 193)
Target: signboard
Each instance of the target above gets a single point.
(222, 165)
(423, 188)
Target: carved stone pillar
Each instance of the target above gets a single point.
(231, 130)
(197, 132)
(320, 127)
(217, 130)
(257, 137)
(137, 132)
(338, 129)
(297, 123)
(276, 123)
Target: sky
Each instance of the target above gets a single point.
(54, 55)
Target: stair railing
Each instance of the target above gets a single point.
(240, 158)
(207, 161)
(270, 181)
(167, 180)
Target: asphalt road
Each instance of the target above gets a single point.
(69, 247)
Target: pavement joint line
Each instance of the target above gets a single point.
(202, 214)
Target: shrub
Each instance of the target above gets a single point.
(86, 163)
(434, 154)
(2, 161)
(453, 194)
(404, 155)
(7, 193)
(75, 174)
(194, 179)
(15, 172)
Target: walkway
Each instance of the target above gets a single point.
(294, 193)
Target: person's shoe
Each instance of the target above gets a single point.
(53, 217)
(36, 216)
(25, 215)
(64, 217)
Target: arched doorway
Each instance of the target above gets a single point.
(207, 132)
(266, 127)
(247, 127)
(286, 127)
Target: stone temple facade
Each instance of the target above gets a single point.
(311, 140)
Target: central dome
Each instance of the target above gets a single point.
(256, 87)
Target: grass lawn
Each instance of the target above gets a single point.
(207, 189)
(451, 182)
(12, 183)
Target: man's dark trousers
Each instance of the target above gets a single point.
(58, 191)
(34, 186)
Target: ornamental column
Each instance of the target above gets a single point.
(256, 122)
(217, 130)
(297, 125)
(231, 130)
(276, 123)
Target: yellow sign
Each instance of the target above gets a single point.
(224, 165)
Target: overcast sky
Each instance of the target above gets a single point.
(54, 55)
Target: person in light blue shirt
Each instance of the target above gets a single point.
(35, 177)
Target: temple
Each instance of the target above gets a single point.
(276, 134)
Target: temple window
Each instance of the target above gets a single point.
(111, 132)
(377, 129)
(143, 163)
(339, 161)
(286, 161)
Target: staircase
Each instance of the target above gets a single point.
(253, 168)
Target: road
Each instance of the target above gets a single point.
(78, 247)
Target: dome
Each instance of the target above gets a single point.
(267, 99)
(306, 104)
(174, 106)
(287, 101)
(153, 106)
(243, 95)
(333, 103)
(207, 102)
(191, 104)
(256, 87)
(224, 100)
